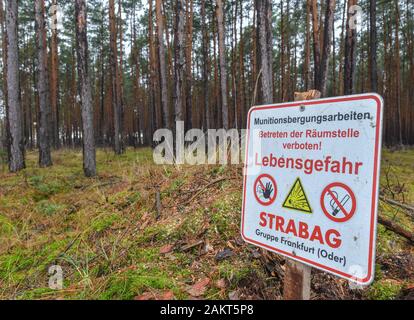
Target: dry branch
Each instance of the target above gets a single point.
(404, 206)
(392, 226)
(203, 189)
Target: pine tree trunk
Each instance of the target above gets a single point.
(120, 75)
(326, 48)
(222, 58)
(102, 126)
(116, 94)
(373, 45)
(264, 25)
(350, 42)
(179, 61)
(307, 46)
(316, 44)
(254, 59)
(54, 77)
(242, 80)
(341, 52)
(398, 75)
(45, 158)
(6, 128)
(154, 76)
(89, 158)
(206, 65)
(16, 142)
(282, 89)
(162, 65)
(188, 68)
(139, 106)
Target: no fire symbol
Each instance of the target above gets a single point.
(338, 202)
(265, 189)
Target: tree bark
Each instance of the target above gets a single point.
(316, 44)
(350, 43)
(242, 80)
(45, 158)
(327, 43)
(16, 143)
(162, 65)
(54, 76)
(6, 128)
(116, 94)
(179, 61)
(264, 25)
(156, 118)
(188, 67)
(307, 46)
(341, 52)
(373, 45)
(89, 157)
(206, 65)
(398, 75)
(222, 58)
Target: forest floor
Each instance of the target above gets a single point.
(111, 243)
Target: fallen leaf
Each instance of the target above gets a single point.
(166, 249)
(221, 284)
(230, 245)
(145, 296)
(234, 295)
(166, 295)
(199, 288)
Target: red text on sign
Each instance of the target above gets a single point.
(300, 229)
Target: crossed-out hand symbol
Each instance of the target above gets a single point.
(267, 192)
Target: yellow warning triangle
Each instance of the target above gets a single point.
(296, 199)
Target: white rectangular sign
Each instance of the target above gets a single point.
(311, 182)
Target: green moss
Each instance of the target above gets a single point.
(179, 265)
(49, 208)
(142, 255)
(124, 199)
(6, 226)
(191, 225)
(384, 290)
(104, 222)
(36, 293)
(153, 233)
(218, 170)
(225, 215)
(13, 263)
(22, 263)
(233, 272)
(174, 187)
(132, 283)
(44, 187)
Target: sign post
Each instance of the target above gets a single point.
(310, 190)
(297, 282)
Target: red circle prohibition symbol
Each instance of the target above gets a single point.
(259, 183)
(338, 203)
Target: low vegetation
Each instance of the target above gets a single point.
(113, 243)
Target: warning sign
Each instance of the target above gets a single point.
(296, 198)
(323, 158)
(265, 189)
